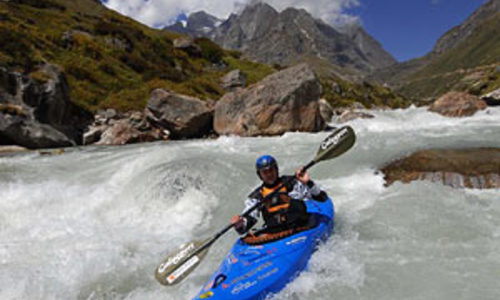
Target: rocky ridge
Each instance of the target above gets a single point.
(293, 35)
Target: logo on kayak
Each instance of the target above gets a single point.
(175, 260)
(242, 286)
(334, 139)
(297, 240)
(252, 272)
(264, 276)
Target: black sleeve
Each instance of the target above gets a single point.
(321, 197)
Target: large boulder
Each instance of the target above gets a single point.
(183, 116)
(457, 104)
(472, 168)
(284, 101)
(38, 113)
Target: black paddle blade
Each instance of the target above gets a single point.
(336, 144)
(178, 265)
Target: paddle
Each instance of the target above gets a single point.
(178, 265)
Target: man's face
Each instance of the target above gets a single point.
(269, 174)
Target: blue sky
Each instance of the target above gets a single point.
(405, 28)
(410, 28)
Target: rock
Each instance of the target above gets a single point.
(38, 113)
(457, 104)
(94, 134)
(357, 105)
(493, 98)
(182, 116)
(284, 101)
(233, 79)
(325, 110)
(30, 134)
(336, 88)
(122, 132)
(473, 168)
(110, 114)
(68, 38)
(349, 115)
(12, 149)
(117, 43)
(56, 109)
(188, 45)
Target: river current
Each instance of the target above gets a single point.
(94, 222)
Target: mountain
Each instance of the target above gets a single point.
(466, 58)
(198, 24)
(293, 35)
(111, 61)
(368, 45)
(463, 31)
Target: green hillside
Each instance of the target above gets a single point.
(471, 66)
(111, 61)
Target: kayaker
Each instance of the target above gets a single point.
(286, 208)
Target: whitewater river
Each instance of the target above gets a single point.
(94, 222)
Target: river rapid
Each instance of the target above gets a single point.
(94, 222)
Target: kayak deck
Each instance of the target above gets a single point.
(253, 272)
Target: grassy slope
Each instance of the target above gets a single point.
(104, 74)
(471, 66)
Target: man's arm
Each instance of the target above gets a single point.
(243, 224)
(306, 188)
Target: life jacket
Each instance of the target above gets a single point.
(281, 211)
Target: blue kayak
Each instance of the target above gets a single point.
(255, 271)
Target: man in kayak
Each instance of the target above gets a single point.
(285, 209)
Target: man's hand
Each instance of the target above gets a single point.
(302, 176)
(237, 221)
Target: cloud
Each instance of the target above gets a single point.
(158, 13)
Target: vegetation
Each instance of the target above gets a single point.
(472, 66)
(111, 61)
(341, 93)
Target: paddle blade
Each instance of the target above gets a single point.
(336, 144)
(178, 265)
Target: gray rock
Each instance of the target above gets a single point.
(350, 115)
(40, 114)
(325, 110)
(492, 98)
(94, 134)
(282, 102)
(233, 79)
(187, 44)
(182, 116)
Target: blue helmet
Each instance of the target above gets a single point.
(265, 161)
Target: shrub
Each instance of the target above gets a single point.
(210, 50)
